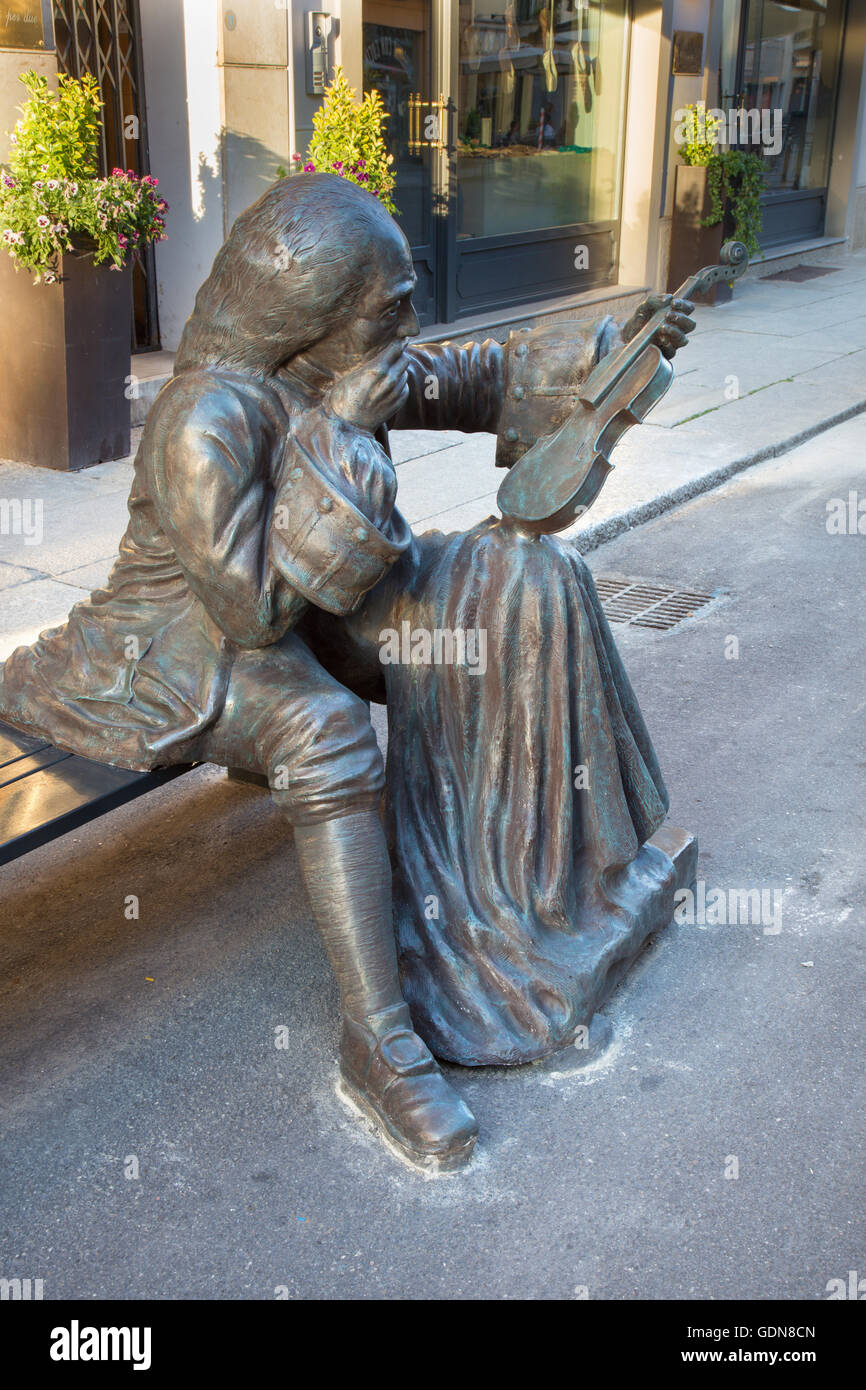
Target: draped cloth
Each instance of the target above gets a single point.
(519, 800)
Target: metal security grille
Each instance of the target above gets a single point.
(645, 604)
(102, 37)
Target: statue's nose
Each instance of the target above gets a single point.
(409, 324)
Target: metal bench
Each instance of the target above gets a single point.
(44, 793)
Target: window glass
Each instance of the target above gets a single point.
(540, 114)
(791, 64)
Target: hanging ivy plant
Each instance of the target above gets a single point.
(735, 178)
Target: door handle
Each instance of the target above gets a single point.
(439, 111)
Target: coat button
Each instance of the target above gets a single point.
(522, 350)
(326, 505)
(511, 435)
(297, 473)
(519, 393)
(361, 533)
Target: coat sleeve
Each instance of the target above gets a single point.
(213, 497)
(453, 388)
(263, 525)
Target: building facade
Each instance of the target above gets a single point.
(534, 141)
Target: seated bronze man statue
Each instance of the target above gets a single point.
(262, 526)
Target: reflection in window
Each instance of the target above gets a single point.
(540, 114)
(791, 65)
(396, 65)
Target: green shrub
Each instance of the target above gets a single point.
(348, 140)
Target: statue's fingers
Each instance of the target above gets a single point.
(398, 387)
(387, 357)
(670, 337)
(683, 306)
(682, 322)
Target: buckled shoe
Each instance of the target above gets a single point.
(391, 1074)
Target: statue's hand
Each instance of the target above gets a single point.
(670, 335)
(369, 394)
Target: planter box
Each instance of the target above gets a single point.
(65, 350)
(694, 246)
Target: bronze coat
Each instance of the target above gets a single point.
(250, 501)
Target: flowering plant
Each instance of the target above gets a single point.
(50, 190)
(348, 140)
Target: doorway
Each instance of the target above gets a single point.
(102, 37)
(784, 58)
(506, 127)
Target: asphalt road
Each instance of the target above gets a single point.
(735, 1049)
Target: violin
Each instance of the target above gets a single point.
(560, 477)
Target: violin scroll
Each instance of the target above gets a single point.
(734, 262)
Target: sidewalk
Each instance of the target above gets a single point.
(783, 361)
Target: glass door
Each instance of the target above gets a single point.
(506, 127)
(786, 64)
(398, 63)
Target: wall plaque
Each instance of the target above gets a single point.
(688, 53)
(21, 24)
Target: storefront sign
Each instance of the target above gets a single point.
(688, 53)
(21, 24)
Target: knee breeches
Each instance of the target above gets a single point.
(286, 717)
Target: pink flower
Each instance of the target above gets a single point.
(116, 172)
(10, 183)
(42, 221)
(310, 168)
(296, 158)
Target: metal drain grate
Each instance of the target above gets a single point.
(643, 604)
(802, 272)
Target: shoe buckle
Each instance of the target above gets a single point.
(405, 1053)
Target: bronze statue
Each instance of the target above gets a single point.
(243, 624)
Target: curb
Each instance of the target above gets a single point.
(608, 530)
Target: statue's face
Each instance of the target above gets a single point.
(383, 312)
